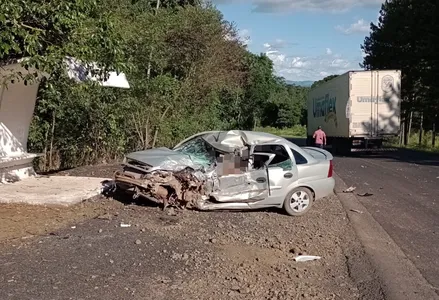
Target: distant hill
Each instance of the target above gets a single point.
(306, 83)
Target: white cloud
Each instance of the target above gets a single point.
(297, 67)
(277, 44)
(244, 36)
(360, 26)
(284, 6)
(340, 63)
(363, 54)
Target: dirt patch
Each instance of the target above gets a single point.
(102, 171)
(21, 221)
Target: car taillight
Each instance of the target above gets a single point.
(331, 169)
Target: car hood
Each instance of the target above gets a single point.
(164, 159)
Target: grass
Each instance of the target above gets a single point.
(296, 131)
(413, 142)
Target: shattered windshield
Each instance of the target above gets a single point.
(199, 151)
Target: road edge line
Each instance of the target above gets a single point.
(400, 278)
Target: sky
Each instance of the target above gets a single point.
(306, 39)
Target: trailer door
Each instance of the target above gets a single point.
(374, 97)
(387, 103)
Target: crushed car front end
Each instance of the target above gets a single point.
(203, 171)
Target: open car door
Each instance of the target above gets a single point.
(281, 169)
(249, 186)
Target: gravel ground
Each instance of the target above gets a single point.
(83, 252)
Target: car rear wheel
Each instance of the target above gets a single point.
(298, 201)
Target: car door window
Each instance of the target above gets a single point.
(300, 160)
(259, 161)
(281, 159)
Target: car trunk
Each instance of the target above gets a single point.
(318, 153)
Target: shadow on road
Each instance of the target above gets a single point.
(402, 155)
(398, 154)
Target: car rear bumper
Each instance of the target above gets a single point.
(323, 187)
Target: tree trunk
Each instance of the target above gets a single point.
(51, 139)
(46, 137)
(148, 71)
(421, 127)
(146, 141)
(433, 136)
(407, 125)
(410, 124)
(158, 126)
(402, 133)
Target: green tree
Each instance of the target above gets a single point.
(319, 82)
(187, 69)
(45, 32)
(259, 85)
(286, 106)
(191, 66)
(406, 38)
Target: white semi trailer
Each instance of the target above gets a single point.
(357, 110)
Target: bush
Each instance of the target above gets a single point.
(295, 131)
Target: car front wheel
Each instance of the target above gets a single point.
(298, 201)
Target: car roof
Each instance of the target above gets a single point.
(228, 140)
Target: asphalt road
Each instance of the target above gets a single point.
(405, 188)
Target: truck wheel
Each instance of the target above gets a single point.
(298, 201)
(344, 147)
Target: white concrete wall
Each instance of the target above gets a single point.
(17, 103)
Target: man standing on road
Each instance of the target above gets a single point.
(319, 137)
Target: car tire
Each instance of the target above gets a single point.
(300, 196)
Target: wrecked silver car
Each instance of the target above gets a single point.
(230, 170)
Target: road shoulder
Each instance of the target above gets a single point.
(400, 278)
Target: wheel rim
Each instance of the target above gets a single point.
(299, 201)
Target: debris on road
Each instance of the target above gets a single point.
(357, 211)
(123, 225)
(106, 216)
(350, 189)
(303, 258)
(365, 195)
(108, 186)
